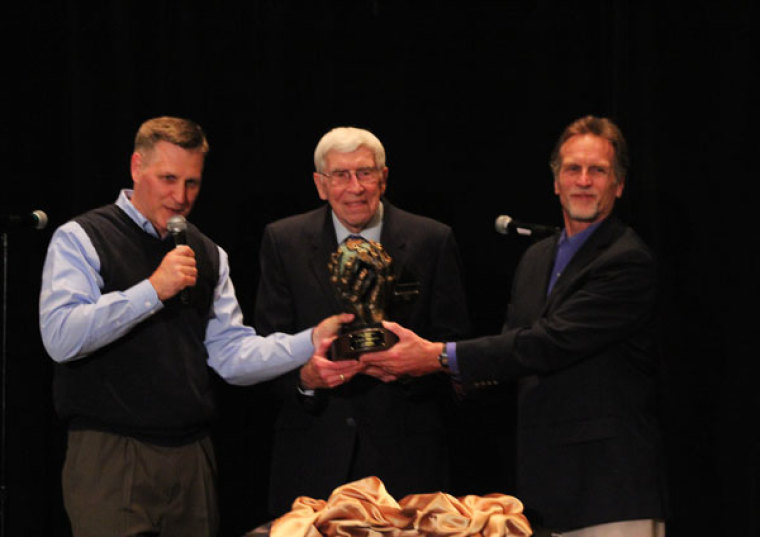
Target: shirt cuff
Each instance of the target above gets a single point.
(302, 345)
(144, 295)
(305, 392)
(451, 352)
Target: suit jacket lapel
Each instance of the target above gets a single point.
(393, 238)
(534, 280)
(322, 242)
(599, 240)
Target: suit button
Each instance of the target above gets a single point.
(351, 422)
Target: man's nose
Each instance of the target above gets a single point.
(584, 178)
(179, 194)
(353, 182)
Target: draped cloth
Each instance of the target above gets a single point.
(365, 509)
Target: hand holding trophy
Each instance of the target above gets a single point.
(360, 272)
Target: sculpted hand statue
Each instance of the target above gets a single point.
(360, 272)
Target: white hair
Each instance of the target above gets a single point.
(346, 140)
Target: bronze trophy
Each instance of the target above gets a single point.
(360, 272)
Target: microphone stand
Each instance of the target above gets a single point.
(3, 381)
(38, 219)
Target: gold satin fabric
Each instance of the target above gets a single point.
(365, 509)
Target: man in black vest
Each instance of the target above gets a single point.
(579, 337)
(133, 322)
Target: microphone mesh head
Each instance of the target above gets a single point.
(41, 219)
(176, 224)
(502, 223)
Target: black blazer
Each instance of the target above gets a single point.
(588, 442)
(395, 430)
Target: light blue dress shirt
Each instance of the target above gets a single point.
(76, 319)
(370, 232)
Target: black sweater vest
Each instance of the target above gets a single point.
(152, 383)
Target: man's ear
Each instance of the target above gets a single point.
(384, 180)
(619, 190)
(319, 182)
(135, 163)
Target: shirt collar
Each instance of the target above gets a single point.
(371, 231)
(577, 240)
(124, 202)
(566, 249)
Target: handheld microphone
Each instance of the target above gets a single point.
(176, 226)
(36, 220)
(506, 225)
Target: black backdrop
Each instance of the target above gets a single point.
(468, 99)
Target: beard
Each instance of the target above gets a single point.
(583, 211)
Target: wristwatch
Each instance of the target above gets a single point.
(443, 358)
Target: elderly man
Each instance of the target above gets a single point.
(324, 438)
(579, 336)
(132, 377)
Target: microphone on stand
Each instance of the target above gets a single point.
(506, 225)
(176, 226)
(36, 220)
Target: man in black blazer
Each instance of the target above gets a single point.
(331, 430)
(579, 338)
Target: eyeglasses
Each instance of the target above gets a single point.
(365, 176)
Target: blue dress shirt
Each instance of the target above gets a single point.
(76, 319)
(566, 249)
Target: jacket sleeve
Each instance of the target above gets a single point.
(610, 301)
(449, 319)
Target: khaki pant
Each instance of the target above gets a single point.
(116, 486)
(629, 528)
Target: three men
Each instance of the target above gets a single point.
(579, 337)
(132, 379)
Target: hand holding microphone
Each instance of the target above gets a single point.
(177, 270)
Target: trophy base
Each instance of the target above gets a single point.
(353, 343)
